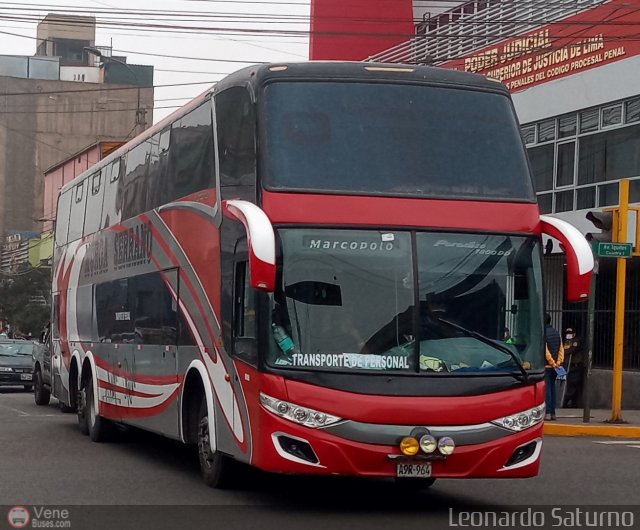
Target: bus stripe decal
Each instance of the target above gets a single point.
(197, 296)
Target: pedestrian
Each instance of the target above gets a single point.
(574, 353)
(554, 354)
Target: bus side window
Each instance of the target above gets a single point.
(56, 317)
(112, 203)
(94, 203)
(244, 315)
(136, 164)
(113, 312)
(191, 164)
(62, 218)
(236, 125)
(155, 308)
(78, 204)
(158, 185)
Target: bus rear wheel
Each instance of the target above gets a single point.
(98, 428)
(215, 467)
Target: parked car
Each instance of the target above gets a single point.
(16, 363)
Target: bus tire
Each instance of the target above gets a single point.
(98, 428)
(41, 395)
(215, 467)
(415, 484)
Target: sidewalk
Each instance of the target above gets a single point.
(569, 423)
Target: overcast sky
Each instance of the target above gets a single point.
(282, 34)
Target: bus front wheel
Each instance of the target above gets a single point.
(215, 467)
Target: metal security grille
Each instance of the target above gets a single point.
(476, 24)
(566, 315)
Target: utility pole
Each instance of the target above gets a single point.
(621, 279)
(615, 241)
(586, 365)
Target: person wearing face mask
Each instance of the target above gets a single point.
(574, 354)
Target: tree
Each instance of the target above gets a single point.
(25, 299)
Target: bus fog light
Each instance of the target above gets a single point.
(409, 446)
(446, 445)
(428, 443)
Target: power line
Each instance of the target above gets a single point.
(106, 88)
(87, 111)
(283, 20)
(170, 13)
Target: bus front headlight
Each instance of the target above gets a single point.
(521, 420)
(297, 414)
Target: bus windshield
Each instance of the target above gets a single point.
(349, 300)
(393, 139)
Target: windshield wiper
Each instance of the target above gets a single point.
(490, 342)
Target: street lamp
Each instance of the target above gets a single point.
(103, 58)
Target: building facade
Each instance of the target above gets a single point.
(54, 105)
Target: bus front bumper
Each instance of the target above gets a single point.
(286, 447)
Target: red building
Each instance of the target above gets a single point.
(57, 176)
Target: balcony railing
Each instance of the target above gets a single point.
(476, 24)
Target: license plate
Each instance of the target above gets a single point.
(422, 470)
(26, 377)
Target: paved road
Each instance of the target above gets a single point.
(45, 460)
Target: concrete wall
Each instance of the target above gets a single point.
(579, 91)
(45, 122)
(602, 387)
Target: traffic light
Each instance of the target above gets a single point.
(605, 222)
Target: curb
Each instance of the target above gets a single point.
(616, 431)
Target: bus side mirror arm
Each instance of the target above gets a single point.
(261, 242)
(579, 256)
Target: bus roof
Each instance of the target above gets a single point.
(328, 70)
(257, 75)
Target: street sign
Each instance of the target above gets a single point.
(612, 250)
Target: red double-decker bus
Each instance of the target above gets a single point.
(310, 269)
